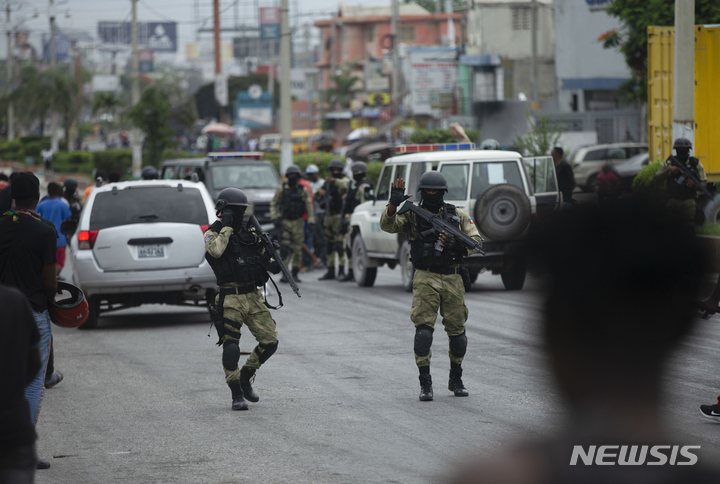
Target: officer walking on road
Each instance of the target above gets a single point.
(287, 208)
(335, 187)
(240, 264)
(360, 190)
(437, 283)
(682, 191)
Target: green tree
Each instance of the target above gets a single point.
(631, 40)
(34, 94)
(543, 136)
(152, 115)
(429, 5)
(343, 91)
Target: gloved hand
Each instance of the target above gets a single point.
(397, 196)
(227, 217)
(447, 241)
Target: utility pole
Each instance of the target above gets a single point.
(534, 26)
(286, 153)
(53, 65)
(395, 33)
(136, 145)
(684, 71)
(10, 111)
(333, 50)
(218, 61)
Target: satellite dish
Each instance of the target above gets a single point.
(255, 91)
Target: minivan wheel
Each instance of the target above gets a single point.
(364, 275)
(93, 313)
(407, 270)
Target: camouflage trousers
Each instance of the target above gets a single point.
(333, 241)
(439, 291)
(248, 309)
(294, 238)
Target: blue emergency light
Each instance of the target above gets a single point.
(231, 155)
(401, 149)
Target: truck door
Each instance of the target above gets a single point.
(543, 180)
(372, 234)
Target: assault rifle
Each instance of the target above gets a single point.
(270, 247)
(438, 224)
(343, 224)
(688, 175)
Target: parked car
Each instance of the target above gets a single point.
(501, 191)
(141, 242)
(587, 161)
(628, 170)
(247, 170)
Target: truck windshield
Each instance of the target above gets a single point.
(243, 176)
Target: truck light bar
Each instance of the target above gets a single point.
(226, 155)
(434, 147)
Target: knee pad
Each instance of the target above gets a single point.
(267, 351)
(231, 355)
(423, 340)
(339, 248)
(458, 345)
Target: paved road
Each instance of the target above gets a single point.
(144, 398)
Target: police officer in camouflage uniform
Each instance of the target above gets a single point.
(240, 264)
(336, 185)
(287, 208)
(438, 282)
(682, 195)
(360, 190)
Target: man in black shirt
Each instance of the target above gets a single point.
(28, 263)
(565, 176)
(20, 362)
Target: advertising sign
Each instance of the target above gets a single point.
(269, 23)
(145, 60)
(379, 99)
(62, 46)
(433, 75)
(254, 109)
(103, 83)
(156, 36)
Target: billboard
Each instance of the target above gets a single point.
(62, 46)
(254, 108)
(255, 47)
(156, 36)
(433, 78)
(270, 23)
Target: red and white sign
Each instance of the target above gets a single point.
(270, 15)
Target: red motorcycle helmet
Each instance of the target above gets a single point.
(70, 312)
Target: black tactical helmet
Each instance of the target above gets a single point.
(231, 197)
(335, 163)
(293, 170)
(359, 167)
(682, 143)
(149, 173)
(70, 183)
(433, 180)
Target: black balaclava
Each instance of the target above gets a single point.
(358, 177)
(336, 173)
(238, 217)
(683, 154)
(432, 202)
(293, 180)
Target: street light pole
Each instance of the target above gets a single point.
(53, 66)
(286, 154)
(395, 33)
(136, 146)
(10, 110)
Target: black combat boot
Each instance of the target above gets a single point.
(295, 275)
(239, 402)
(329, 275)
(455, 384)
(247, 376)
(341, 273)
(349, 277)
(426, 391)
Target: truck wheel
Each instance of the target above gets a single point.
(711, 209)
(93, 313)
(502, 212)
(364, 275)
(407, 270)
(514, 277)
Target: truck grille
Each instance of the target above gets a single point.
(262, 212)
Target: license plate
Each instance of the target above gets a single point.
(151, 251)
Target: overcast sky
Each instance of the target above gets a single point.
(85, 14)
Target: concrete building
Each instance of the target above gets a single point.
(498, 60)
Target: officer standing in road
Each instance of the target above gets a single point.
(361, 190)
(682, 191)
(336, 185)
(438, 282)
(240, 264)
(287, 208)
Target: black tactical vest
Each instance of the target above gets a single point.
(683, 192)
(334, 204)
(351, 200)
(425, 251)
(242, 261)
(292, 205)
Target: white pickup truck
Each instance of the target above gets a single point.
(502, 192)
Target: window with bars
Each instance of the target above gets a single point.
(521, 18)
(407, 34)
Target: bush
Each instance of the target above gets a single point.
(73, 162)
(33, 148)
(34, 138)
(119, 160)
(12, 150)
(373, 172)
(644, 183)
(708, 229)
(423, 136)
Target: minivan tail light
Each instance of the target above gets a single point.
(204, 228)
(86, 239)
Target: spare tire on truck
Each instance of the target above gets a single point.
(502, 212)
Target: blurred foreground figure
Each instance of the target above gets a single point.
(618, 290)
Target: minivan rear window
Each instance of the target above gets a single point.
(151, 204)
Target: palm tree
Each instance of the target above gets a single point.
(344, 90)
